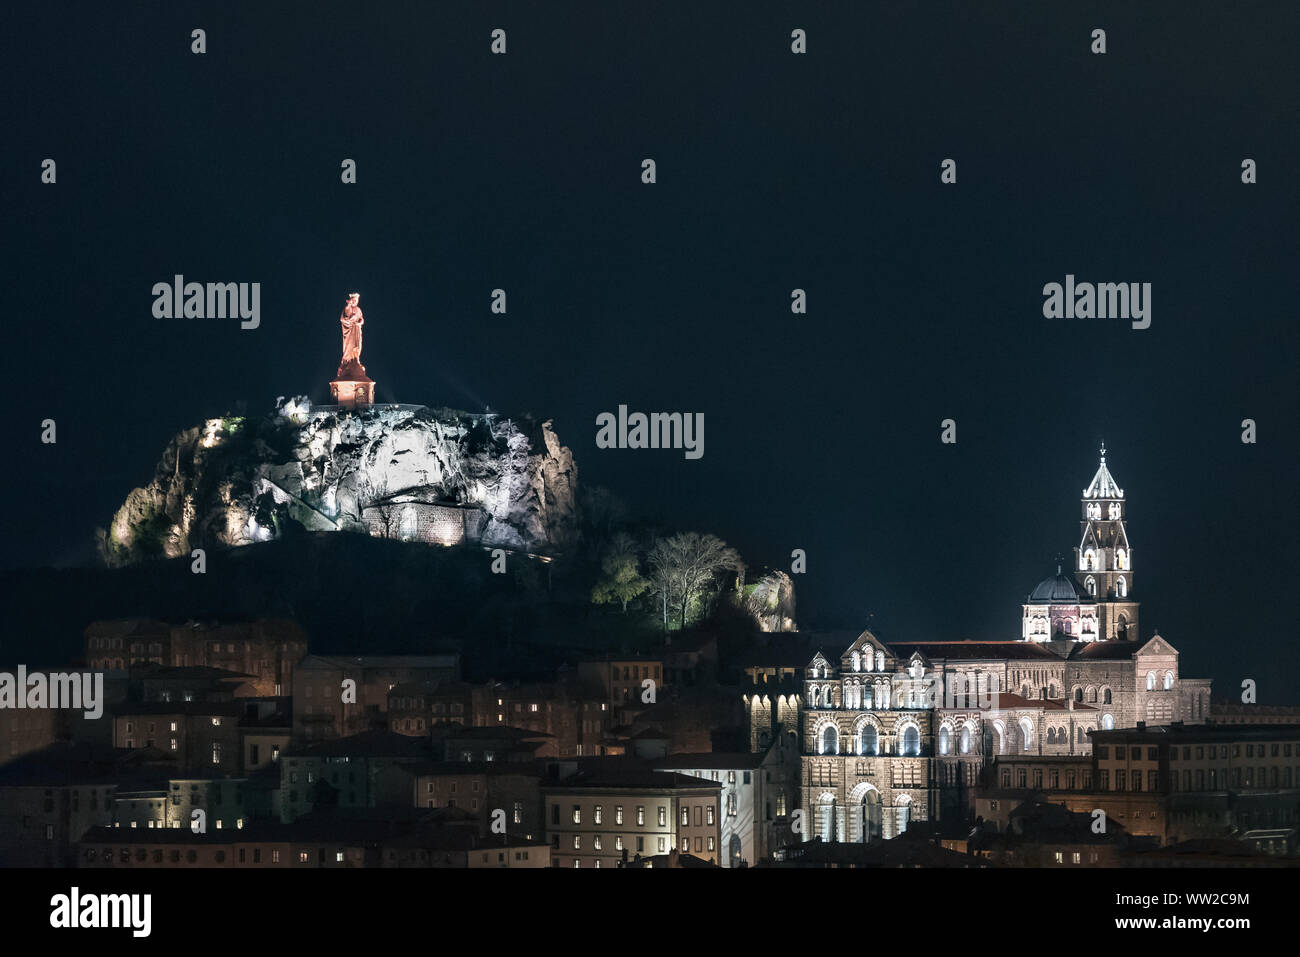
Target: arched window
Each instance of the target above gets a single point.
(1114, 510)
(857, 662)
(1106, 697)
(830, 740)
(880, 661)
(1051, 736)
(1051, 690)
(1107, 722)
(867, 740)
(1151, 681)
(1121, 587)
(1169, 681)
(1121, 559)
(965, 740)
(1027, 733)
(945, 740)
(1091, 584)
(911, 741)
(1024, 690)
(1078, 694)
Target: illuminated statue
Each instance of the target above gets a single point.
(352, 320)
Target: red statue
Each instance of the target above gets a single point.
(352, 320)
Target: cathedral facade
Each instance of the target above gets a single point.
(892, 733)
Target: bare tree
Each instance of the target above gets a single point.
(663, 575)
(387, 513)
(685, 565)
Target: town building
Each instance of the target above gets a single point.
(758, 793)
(338, 695)
(265, 650)
(614, 810)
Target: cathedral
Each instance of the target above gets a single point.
(892, 733)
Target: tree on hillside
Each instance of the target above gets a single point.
(620, 579)
(684, 567)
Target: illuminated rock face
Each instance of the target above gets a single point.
(404, 472)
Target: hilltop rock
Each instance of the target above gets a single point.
(410, 472)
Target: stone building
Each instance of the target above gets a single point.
(196, 736)
(266, 650)
(339, 695)
(893, 733)
(409, 517)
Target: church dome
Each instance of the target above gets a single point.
(1061, 587)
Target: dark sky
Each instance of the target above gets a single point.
(775, 171)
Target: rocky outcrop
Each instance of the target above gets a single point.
(413, 472)
(770, 602)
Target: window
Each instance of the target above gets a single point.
(597, 813)
(911, 741)
(618, 814)
(640, 815)
(830, 740)
(867, 740)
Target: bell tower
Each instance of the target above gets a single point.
(1103, 559)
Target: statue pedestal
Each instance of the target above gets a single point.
(353, 389)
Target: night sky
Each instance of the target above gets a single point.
(775, 171)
